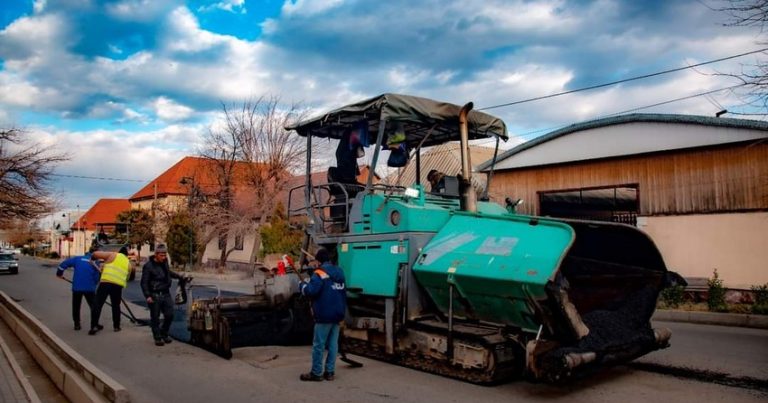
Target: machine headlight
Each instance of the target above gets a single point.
(411, 192)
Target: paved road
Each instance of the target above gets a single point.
(179, 372)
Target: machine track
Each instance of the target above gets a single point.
(498, 373)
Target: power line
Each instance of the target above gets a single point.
(531, 134)
(676, 100)
(592, 87)
(98, 178)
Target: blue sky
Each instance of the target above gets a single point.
(127, 87)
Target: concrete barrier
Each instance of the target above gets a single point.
(73, 375)
(713, 318)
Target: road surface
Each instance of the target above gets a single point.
(180, 372)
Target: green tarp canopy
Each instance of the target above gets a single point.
(418, 117)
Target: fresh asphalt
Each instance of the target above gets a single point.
(180, 372)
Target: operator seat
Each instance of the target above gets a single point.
(336, 188)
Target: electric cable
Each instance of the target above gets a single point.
(644, 76)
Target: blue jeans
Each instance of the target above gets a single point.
(326, 337)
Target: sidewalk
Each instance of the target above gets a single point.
(712, 318)
(14, 385)
(10, 385)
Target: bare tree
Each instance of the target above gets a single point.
(750, 13)
(254, 158)
(25, 172)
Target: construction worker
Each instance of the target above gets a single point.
(85, 278)
(114, 276)
(327, 289)
(156, 285)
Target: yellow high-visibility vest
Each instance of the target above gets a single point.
(116, 271)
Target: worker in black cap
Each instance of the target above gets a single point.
(156, 279)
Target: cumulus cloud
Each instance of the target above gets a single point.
(232, 6)
(309, 7)
(171, 111)
(156, 73)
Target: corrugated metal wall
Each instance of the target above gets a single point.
(728, 178)
(445, 158)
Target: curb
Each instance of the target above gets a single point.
(712, 318)
(77, 378)
(29, 391)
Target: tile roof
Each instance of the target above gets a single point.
(105, 211)
(202, 170)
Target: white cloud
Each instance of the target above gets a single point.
(170, 111)
(232, 6)
(309, 7)
(402, 77)
(38, 5)
(139, 10)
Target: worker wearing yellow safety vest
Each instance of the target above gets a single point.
(114, 276)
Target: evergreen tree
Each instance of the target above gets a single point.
(181, 239)
(278, 237)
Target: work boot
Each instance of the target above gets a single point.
(77, 326)
(93, 331)
(159, 342)
(309, 376)
(328, 376)
(117, 329)
(167, 339)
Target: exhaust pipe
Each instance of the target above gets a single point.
(468, 196)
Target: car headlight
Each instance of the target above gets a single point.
(13, 264)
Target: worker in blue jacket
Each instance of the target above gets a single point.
(327, 289)
(85, 278)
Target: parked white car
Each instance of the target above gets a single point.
(8, 263)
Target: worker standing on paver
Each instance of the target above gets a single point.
(85, 278)
(327, 290)
(156, 279)
(114, 276)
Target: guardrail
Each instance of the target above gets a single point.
(73, 375)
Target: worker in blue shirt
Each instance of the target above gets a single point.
(327, 290)
(85, 278)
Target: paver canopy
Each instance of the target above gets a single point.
(417, 117)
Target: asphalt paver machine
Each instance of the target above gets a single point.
(446, 282)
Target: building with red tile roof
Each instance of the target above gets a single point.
(101, 216)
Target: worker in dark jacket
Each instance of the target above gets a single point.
(156, 285)
(85, 278)
(327, 290)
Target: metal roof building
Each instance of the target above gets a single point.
(698, 185)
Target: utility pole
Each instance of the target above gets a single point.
(79, 226)
(69, 233)
(189, 180)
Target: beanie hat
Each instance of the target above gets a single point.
(322, 255)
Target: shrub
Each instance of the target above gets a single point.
(760, 306)
(716, 295)
(672, 297)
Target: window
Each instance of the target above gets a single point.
(222, 240)
(618, 203)
(238, 242)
